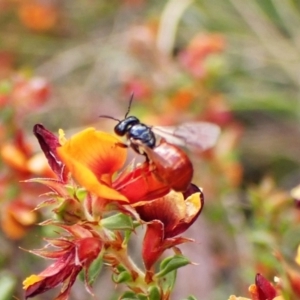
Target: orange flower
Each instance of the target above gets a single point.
(167, 217)
(92, 158)
(37, 16)
(18, 155)
(16, 218)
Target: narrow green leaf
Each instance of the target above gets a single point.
(127, 235)
(142, 297)
(191, 298)
(121, 268)
(95, 269)
(81, 194)
(168, 281)
(117, 222)
(122, 277)
(172, 263)
(154, 293)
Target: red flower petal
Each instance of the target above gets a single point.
(140, 185)
(49, 142)
(174, 211)
(154, 243)
(50, 282)
(264, 288)
(88, 249)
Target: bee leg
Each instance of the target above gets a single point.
(122, 145)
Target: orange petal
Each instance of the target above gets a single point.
(38, 17)
(16, 218)
(92, 155)
(13, 229)
(14, 157)
(101, 152)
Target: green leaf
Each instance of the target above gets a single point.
(127, 236)
(124, 276)
(142, 297)
(172, 263)
(154, 293)
(95, 269)
(168, 271)
(81, 194)
(168, 281)
(70, 211)
(7, 285)
(121, 268)
(117, 222)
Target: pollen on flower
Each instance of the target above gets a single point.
(252, 289)
(297, 258)
(61, 136)
(192, 204)
(277, 279)
(32, 279)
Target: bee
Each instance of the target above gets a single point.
(159, 144)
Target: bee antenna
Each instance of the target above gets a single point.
(109, 117)
(129, 106)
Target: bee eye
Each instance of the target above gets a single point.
(124, 126)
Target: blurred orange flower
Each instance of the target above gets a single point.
(38, 16)
(17, 217)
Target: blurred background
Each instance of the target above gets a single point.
(235, 63)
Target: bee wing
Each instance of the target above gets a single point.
(193, 135)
